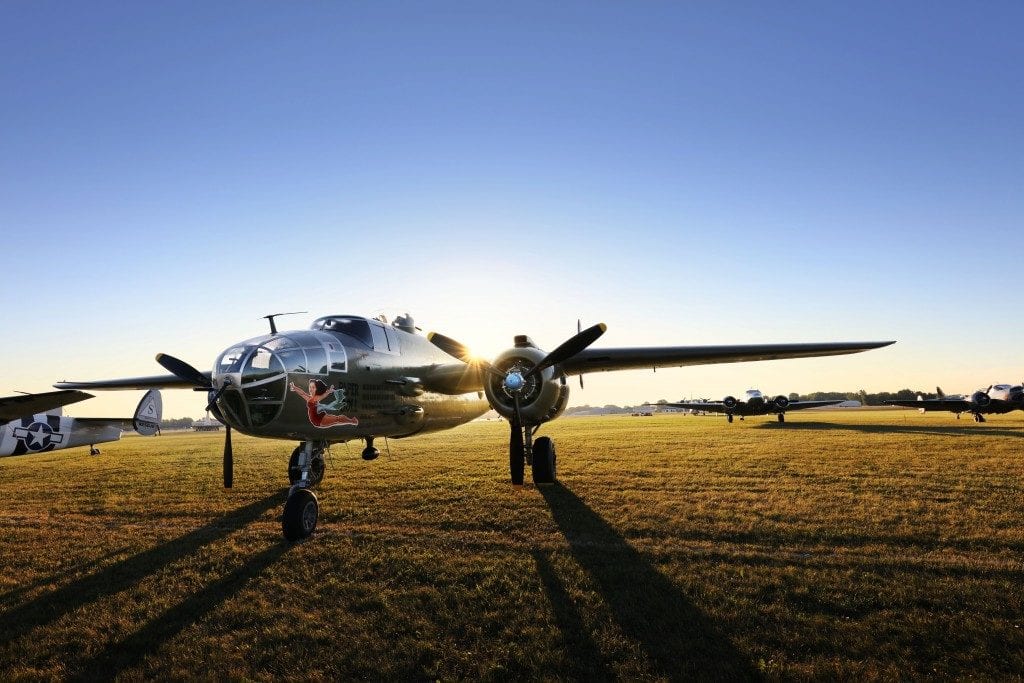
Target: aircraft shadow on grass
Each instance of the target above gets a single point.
(898, 429)
(20, 620)
(680, 640)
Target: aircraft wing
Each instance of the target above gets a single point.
(13, 407)
(603, 360)
(157, 382)
(803, 405)
(952, 405)
(710, 406)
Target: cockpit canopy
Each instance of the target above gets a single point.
(375, 334)
(354, 326)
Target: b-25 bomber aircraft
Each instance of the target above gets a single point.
(350, 377)
(996, 400)
(33, 423)
(754, 403)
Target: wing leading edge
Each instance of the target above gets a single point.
(14, 407)
(155, 382)
(604, 360)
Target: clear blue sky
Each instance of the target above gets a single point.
(685, 172)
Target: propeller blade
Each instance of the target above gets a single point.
(450, 346)
(569, 348)
(461, 351)
(516, 449)
(211, 406)
(183, 370)
(579, 328)
(229, 460)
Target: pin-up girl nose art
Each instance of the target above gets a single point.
(317, 411)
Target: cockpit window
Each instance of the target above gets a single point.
(261, 365)
(231, 360)
(357, 328)
(260, 360)
(278, 343)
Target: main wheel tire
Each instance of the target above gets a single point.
(545, 461)
(316, 468)
(729, 418)
(782, 417)
(301, 511)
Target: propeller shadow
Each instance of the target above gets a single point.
(966, 430)
(123, 655)
(680, 640)
(18, 621)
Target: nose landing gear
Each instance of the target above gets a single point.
(301, 510)
(300, 514)
(316, 464)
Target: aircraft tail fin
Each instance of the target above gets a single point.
(148, 414)
(938, 390)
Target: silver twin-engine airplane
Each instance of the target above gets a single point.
(349, 377)
(997, 399)
(753, 403)
(33, 423)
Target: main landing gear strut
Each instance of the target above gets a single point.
(524, 450)
(301, 510)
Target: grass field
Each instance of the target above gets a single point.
(841, 545)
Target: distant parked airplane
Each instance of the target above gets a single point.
(33, 423)
(755, 403)
(997, 399)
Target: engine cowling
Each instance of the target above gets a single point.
(729, 401)
(980, 398)
(541, 399)
(781, 402)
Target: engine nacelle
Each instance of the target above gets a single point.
(729, 401)
(543, 398)
(781, 402)
(980, 398)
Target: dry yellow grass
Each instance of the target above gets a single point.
(862, 544)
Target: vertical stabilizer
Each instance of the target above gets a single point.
(148, 414)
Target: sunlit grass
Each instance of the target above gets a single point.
(872, 544)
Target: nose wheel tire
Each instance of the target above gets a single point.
(300, 515)
(544, 461)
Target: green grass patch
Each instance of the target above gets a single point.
(841, 544)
